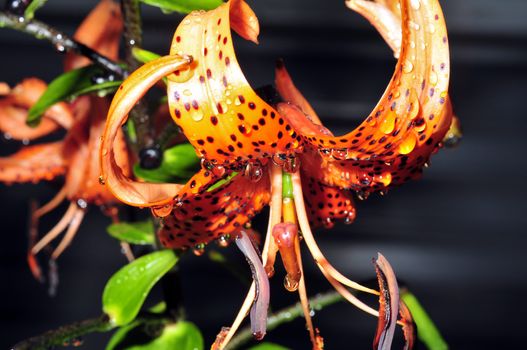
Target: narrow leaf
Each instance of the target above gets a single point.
(143, 55)
(141, 233)
(427, 332)
(128, 288)
(183, 6)
(33, 6)
(70, 85)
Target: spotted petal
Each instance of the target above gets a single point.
(411, 118)
(204, 215)
(212, 101)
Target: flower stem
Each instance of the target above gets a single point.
(284, 316)
(61, 41)
(133, 38)
(66, 334)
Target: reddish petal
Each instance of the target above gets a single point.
(326, 204)
(101, 31)
(212, 101)
(288, 91)
(201, 216)
(14, 107)
(133, 88)
(409, 328)
(33, 163)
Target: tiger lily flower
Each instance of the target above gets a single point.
(76, 156)
(256, 154)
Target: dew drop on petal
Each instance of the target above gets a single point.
(408, 144)
(408, 66)
(388, 123)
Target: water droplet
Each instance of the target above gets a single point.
(60, 47)
(349, 218)
(413, 108)
(433, 78)
(187, 92)
(162, 211)
(408, 66)
(81, 203)
(254, 171)
(388, 123)
(416, 4)
(223, 241)
(290, 284)
(408, 144)
(292, 164)
(197, 116)
(101, 180)
(385, 179)
(25, 142)
(199, 249)
(223, 108)
(104, 151)
(340, 154)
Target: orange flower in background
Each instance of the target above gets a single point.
(76, 156)
(256, 154)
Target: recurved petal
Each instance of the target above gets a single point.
(101, 31)
(389, 304)
(289, 92)
(411, 118)
(14, 107)
(212, 102)
(385, 16)
(133, 88)
(201, 215)
(33, 164)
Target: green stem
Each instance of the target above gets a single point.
(284, 316)
(133, 38)
(61, 41)
(65, 334)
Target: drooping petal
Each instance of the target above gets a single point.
(133, 88)
(201, 216)
(14, 107)
(411, 118)
(409, 328)
(33, 163)
(212, 102)
(289, 92)
(101, 31)
(389, 304)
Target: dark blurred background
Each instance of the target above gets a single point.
(456, 238)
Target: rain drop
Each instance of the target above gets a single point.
(290, 284)
(388, 123)
(408, 144)
(416, 4)
(407, 66)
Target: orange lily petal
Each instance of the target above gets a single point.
(101, 31)
(325, 204)
(385, 16)
(410, 120)
(33, 163)
(200, 217)
(133, 88)
(288, 91)
(212, 102)
(4, 89)
(14, 107)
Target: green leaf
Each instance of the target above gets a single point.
(183, 6)
(268, 346)
(143, 55)
(128, 288)
(427, 332)
(141, 232)
(222, 182)
(33, 6)
(181, 336)
(179, 164)
(70, 85)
